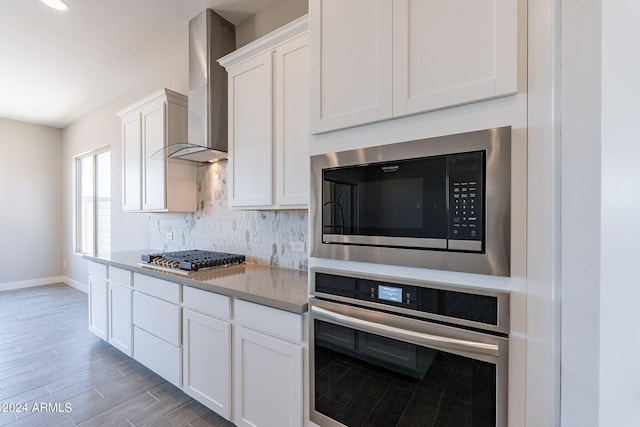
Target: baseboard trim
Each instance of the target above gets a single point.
(31, 283)
(44, 281)
(75, 284)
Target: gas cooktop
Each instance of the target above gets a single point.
(186, 262)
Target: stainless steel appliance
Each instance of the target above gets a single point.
(210, 38)
(393, 352)
(440, 203)
(189, 261)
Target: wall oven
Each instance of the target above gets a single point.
(433, 203)
(395, 352)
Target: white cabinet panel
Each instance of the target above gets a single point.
(131, 162)
(292, 122)
(278, 323)
(153, 169)
(350, 62)
(158, 317)
(268, 381)
(98, 306)
(375, 60)
(269, 120)
(158, 355)
(207, 361)
(97, 270)
(163, 289)
(250, 104)
(154, 183)
(454, 52)
(208, 303)
(120, 322)
(120, 276)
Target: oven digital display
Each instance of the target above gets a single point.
(389, 293)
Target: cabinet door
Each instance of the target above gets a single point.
(268, 381)
(161, 318)
(98, 306)
(350, 62)
(250, 137)
(292, 122)
(131, 160)
(120, 321)
(153, 169)
(452, 52)
(158, 355)
(207, 361)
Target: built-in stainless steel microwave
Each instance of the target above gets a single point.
(441, 203)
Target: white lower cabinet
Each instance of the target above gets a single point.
(98, 303)
(207, 349)
(243, 360)
(207, 361)
(157, 331)
(119, 310)
(120, 307)
(268, 371)
(158, 355)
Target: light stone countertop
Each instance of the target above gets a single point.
(276, 287)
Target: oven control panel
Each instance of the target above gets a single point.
(387, 293)
(446, 303)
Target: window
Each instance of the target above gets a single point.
(93, 204)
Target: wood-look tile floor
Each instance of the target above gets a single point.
(54, 372)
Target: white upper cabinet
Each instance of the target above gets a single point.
(291, 120)
(250, 132)
(350, 62)
(269, 120)
(389, 58)
(155, 183)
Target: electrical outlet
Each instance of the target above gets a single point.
(297, 246)
(169, 235)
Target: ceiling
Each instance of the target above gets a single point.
(56, 67)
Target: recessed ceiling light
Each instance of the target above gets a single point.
(56, 4)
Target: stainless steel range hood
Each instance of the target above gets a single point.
(210, 37)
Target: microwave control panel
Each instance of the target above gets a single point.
(466, 196)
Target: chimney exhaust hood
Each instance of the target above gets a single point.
(210, 37)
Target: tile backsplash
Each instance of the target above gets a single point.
(265, 237)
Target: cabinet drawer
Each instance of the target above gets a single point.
(162, 289)
(158, 317)
(275, 322)
(161, 357)
(120, 276)
(98, 270)
(205, 302)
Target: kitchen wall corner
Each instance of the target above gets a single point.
(263, 236)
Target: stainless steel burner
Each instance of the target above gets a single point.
(190, 261)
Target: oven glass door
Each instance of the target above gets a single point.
(362, 378)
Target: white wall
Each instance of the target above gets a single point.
(601, 212)
(273, 17)
(620, 209)
(581, 216)
(100, 128)
(30, 206)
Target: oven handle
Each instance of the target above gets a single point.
(419, 338)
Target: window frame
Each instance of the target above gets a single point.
(79, 233)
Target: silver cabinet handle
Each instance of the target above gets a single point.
(420, 338)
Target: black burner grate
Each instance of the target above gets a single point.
(192, 260)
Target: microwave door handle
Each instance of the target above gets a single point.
(419, 338)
